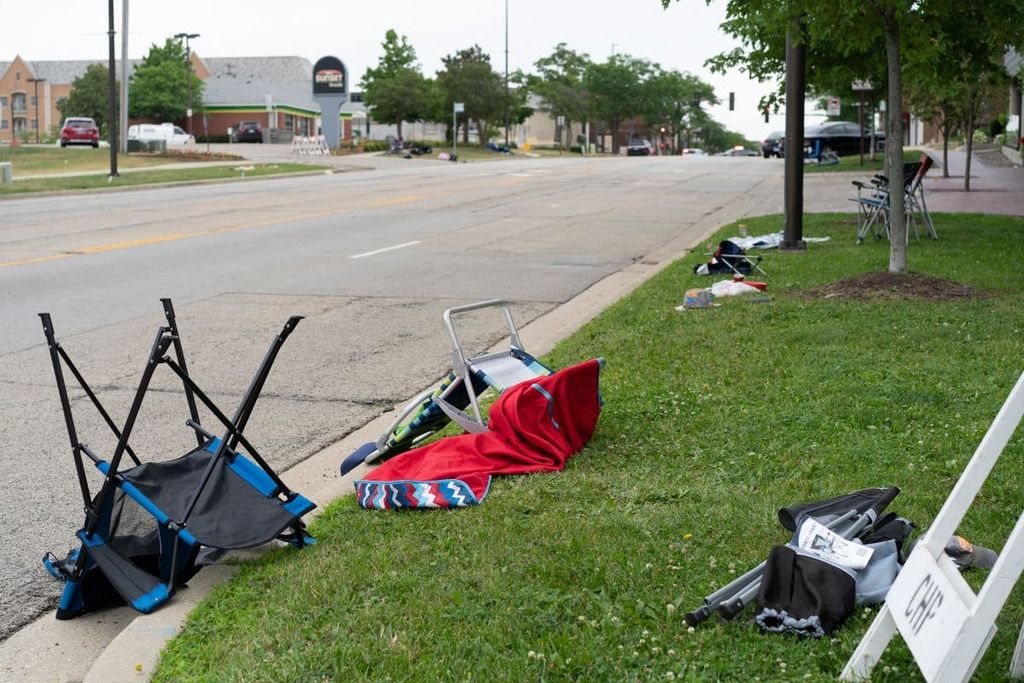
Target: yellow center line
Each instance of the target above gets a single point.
(174, 236)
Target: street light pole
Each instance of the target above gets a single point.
(506, 76)
(188, 66)
(112, 90)
(37, 81)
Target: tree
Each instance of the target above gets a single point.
(673, 100)
(912, 33)
(559, 84)
(159, 85)
(967, 62)
(396, 90)
(468, 78)
(89, 96)
(616, 91)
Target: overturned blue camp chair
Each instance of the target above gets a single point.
(152, 526)
(459, 390)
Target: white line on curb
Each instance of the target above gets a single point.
(403, 245)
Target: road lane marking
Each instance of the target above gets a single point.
(403, 245)
(174, 236)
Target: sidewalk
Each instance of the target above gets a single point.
(994, 189)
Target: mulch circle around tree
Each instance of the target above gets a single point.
(894, 286)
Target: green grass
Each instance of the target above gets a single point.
(713, 419)
(89, 182)
(851, 164)
(44, 160)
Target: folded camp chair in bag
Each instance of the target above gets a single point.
(460, 389)
(152, 526)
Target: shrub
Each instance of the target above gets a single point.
(980, 136)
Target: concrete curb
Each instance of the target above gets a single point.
(129, 645)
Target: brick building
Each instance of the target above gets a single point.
(276, 91)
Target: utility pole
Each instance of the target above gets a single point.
(112, 90)
(796, 60)
(506, 76)
(188, 66)
(36, 82)
(124, 76)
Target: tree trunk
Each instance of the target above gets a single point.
(945, 157)
(615, 136)
(399, 129)
(566, 140)
(946, 130)
(972, 108)
(894, 149)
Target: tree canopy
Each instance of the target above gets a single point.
(395, 89)
(848, 41)
(468, 78)
(89, 96)
(159, 85)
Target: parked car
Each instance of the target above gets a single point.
(639, 147)
(79, 130)
(842, 137)
(771, 146)
(737, 151)
(168, 132)
(247, 131)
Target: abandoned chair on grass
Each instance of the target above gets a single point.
(152, 526)
(730, 259)
(434, 409)
(874, 202)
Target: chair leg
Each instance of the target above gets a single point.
(927, 217)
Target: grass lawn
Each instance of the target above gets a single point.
(851, 164)
(35, 160)
(87, 182)
(713, 420)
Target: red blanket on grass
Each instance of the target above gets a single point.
(534, 427)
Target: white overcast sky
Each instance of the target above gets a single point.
(681, 37)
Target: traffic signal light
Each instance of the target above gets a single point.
(732, 101)
(766, 115)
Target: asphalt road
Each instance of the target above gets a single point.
(370, 256)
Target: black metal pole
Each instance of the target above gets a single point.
(188, 67)
(65, 404)
(796, 56)
(506, 76)
(860, 122)
(112, 91)
(179, 351)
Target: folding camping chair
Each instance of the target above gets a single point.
(873, 202)
(823, 156)
(152, 526)
(731, 259)
(470, 377)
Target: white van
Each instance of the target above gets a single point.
(170, 133)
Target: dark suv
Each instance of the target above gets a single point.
(247, 131)
(772, 145)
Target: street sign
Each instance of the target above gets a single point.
(927, 610)
(858, 86)
(833, 106)
(460, 107)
